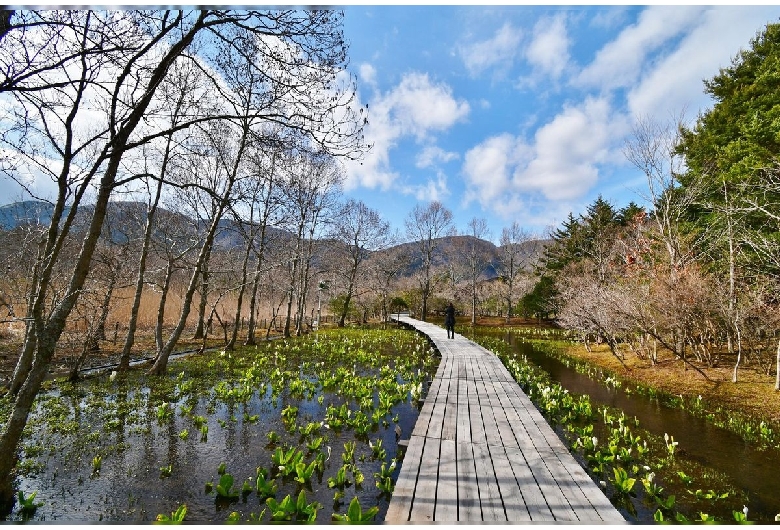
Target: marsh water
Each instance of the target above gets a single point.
(160, 448)
(137, 437)
(749, 470)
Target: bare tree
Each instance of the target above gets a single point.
(761, 199)
(263, 192)
(383, 269)
(358, 230)
(517, 250)
(425, 227)
(309, 190)
(224, 159)
(653, 149)
(178, 88)
(477, 260)
(175, 242)
(60, 65)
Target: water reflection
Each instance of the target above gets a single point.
(136, 437)
(749, 469)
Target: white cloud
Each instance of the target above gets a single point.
(620, 62)
(675, 83)
(548, 51)
(368, 74)
(609, 17)
(432, 190)
(497, 51)
(507, 175)
(416, 108)
(432, 155)
(488, 166)
(566, 152)
(419, 106)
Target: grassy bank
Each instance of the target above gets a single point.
(749, 407)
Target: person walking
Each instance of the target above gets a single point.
(449, 321)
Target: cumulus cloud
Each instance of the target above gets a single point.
(507, 174)
(566, 152)
(675, 82)
(434, 189)
(620, 62)
(368, 74)
(489, 165)
(548, 50)
(417, 108)
(433, 155)
(500, 50)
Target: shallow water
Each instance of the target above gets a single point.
(131, 488)
(749, 469)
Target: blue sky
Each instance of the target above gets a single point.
(521, 112)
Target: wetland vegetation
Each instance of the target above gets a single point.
(658, 456)
(292, 430)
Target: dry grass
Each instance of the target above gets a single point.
(70, 344)
(753, 394)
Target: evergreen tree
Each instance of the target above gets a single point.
(732, 150)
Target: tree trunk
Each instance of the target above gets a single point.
(12, 431)
(49, 330)
(290, 293)
(777, 367)
(124, 360)
(158, 329)
(739, 354)
(231, 344)
(100, 329)
(24, 363)
(204, 296)
(252, 324)
(474, 304)
(161, 362)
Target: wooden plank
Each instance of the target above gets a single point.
(497, 398)
(486, 409)
(463, 422)
(424, 503)
(489, 494)
(449, 427)
(461, 360)
(579, 503)
(439, 407)
(423, 419)
(511, 495)
(532, 494)
(475, 414)
(556, 500)
(468, 490)
(400, 506)
(480, 450)
(447, 485)
(550, 473)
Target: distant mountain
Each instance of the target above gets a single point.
(128, 219)
(25, 213)
(451, 247)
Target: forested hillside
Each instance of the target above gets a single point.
(695, 272)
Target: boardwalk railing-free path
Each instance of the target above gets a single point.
(481, 451)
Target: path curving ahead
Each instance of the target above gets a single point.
(481, 451)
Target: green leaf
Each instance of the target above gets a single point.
(354, 512)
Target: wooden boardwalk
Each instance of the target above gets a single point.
(481, 451)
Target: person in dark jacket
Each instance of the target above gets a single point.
(449, 321)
